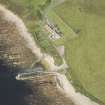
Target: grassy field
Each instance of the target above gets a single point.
(62, 25)
(85, 54)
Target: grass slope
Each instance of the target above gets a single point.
(26, 9)
(85, 54)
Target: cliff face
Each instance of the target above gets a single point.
(13, 50)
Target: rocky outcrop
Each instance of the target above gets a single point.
(13, 50)
(45, 92)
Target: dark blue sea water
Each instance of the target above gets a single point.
(12, 92)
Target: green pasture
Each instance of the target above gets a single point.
(85, 54)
